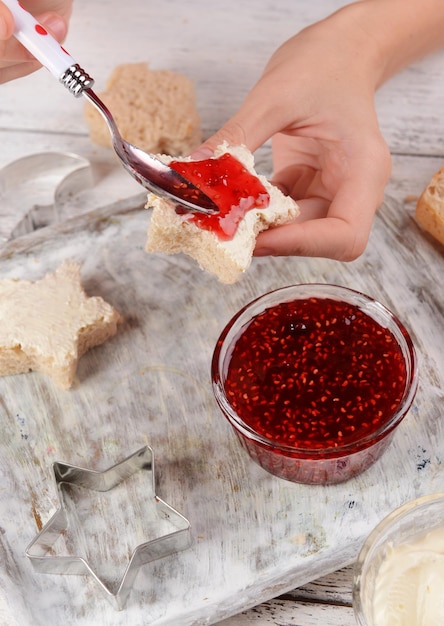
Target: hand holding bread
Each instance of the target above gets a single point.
(315, 100)
(328, 152)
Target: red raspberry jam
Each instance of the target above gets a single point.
(315, 373)
(232, 188)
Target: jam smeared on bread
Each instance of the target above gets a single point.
(170, 232)
(230, 185)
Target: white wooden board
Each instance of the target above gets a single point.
(254, 536)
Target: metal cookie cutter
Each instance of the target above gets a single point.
(169, 530)
(34, 190)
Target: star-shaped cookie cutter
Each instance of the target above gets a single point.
(41, 550)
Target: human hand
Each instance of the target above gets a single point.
(315, 100)
(15, 60)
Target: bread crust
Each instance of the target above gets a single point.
(430, 207)
(170, 233)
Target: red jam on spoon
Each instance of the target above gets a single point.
(230, 185)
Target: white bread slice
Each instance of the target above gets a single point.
(47, 325)
(154, 109)
(430, 207)
(171, 233)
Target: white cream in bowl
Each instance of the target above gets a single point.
(409, 586)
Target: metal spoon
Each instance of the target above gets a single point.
(147, 169)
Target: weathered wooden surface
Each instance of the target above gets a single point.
(255, 537)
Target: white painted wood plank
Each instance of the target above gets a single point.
(326, 600)
(335, 588)
(287, 613)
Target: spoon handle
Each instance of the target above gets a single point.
(47, 50)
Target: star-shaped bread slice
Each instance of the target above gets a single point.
(47, 325)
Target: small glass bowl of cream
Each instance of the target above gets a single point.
(399, 574)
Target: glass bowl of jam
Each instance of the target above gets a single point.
(399, 574)
(314, 379)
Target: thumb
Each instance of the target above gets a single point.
(232, 132)
(55, 24)
(252, 125)
(6, 23)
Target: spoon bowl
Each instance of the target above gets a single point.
(150, 171)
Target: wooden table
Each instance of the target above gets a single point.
(223, 49)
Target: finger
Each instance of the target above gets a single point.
(40, 7)
(330, 238)
(252, 125)
(295, 180)
(341, 235)
(52, 21)
(6, 23)
(55, 24)
(18, 70)
(13, 53)
(312, 209)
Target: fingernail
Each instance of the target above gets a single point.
(202, 153)
(3, 30)
(263, 252)
(56, 25)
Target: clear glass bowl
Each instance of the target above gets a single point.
(317, 465)
(407, 523)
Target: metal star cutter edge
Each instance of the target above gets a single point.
(164, 545)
